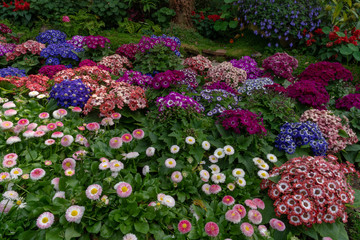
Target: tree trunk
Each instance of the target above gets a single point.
(183, 9)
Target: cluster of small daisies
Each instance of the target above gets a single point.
(163, 199)
(263, 166)
(117, 142)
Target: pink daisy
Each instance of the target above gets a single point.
(62, 112)
(55, 182)
(44, 115)
(277, 224)
(81, 128)
(4, 176)
(184, 226)
(176, 177)
(115, 143)
(42, 128)
(32, 126)
(68, 163)
(255, 216)
(241, 209)
(259, 203)
(69, 172)
(67, 140)
(228, 200)
(9, 104)
(76, 109)
(215, 189)
(116, 116)
(126, 137)
(233, 216)
(59, 124)
(212, 229)
(247, 229)
(11, 156)
(13, 139)
(57, 135)
(29, 134)
(49, 142)
(93, 126)
(250, 204)
(263, 230)
(23, 122)
(10, 112)
(6, 125)
(74, 213)
(48, 162)
(138, 133)
(93, 191)
(18, 129)
(45, 220)
(124, 190)
(9, 163)
(37, 173)
(51, 126)
(39, 133)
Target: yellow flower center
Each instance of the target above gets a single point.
(18, 202)
(233, 214)
(228, 149)
(68, 164)
(272, 158)
(45, 220)
(127, 137)
(16, 172)
(170, 162)
(263, 174)
(74, 213)
(238, 172)
(94, 191)
(3, 176)
(115, 141)
(117, 165)
(219, 153)
(218, 177)
(138, 132)
(158, 204)
(177, 176)
(255, 215)
(247, 228)
(124, 189)
(184, 225)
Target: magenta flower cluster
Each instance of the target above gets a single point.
(77, 41)
(240, 120)
(147, 43)
(310, 93)
(280, 65)
(166, 79)
(348, 101)
(7, 48)
(128, 50)
(96, 41)
(189, 78)
(175, 99)
(51, 70)
(324, 72)
(135, 78)
(87, 62)
(249, 65)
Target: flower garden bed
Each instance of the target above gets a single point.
(137, 144)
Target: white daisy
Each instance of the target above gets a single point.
(174, 149)
(190, 140)
(238, 172)
(241, 182)
(219, 153)
(258, 161)
(170, 163)
(213, 159)
(263, 174)
(263, 166)
(271, 157)
(229, 150)
(205, 145)
(214, 168)
(169, 201)
(218, 178)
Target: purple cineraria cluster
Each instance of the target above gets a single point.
(189, 78)
(217, 100)
(77, 41)
(221, 85)
(7, 47)
(175, 99)
(51, 70)
(324, 72)
(135, 78)
(280, 21)
(251, 85)
(280, 65)
(242, 120)
(309, 93)
(349, 101)
(249, 65)
(96, 41)
(166, 79)
(147, 43)
(87, 62)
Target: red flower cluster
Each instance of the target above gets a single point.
(117, 94)
(116, 63)
(311, 190)
(213, 17)
(32, 82)
(350, 37)
(199, 64)
(201, 16)
(20, 5)
(28, 47)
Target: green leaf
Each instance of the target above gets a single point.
(275, 179)
(356, 203)
(353, 148)
(233, 24)
(94, 228)
(340, 34)
(342, 133)
(334, 230)
(142, 227)
(28, 235)
(337, 11)
(345, 51)
(353, 47)
(70, 232)
(326, 30)
(356, 55)
(106, 231)
(229, 1)
(53, 234)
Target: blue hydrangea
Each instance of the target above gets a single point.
(11, 71)
(70, 93)
(251, 85)
(56, 53)
(51, 37)
(297, 134)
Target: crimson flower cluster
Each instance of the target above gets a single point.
(5, 29)
(239, 120)
(94, 42)
(87, 62)
(330, 125)
(280, 65)
(311, 190)
(249, 65)
(32, 82)
(350, 37)
(28, 47)
(348, 101)
(324, 72)
(128, 50)
(20, 5)
(310, 93)
(51, 70)
(167, 79)
(199, 64)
